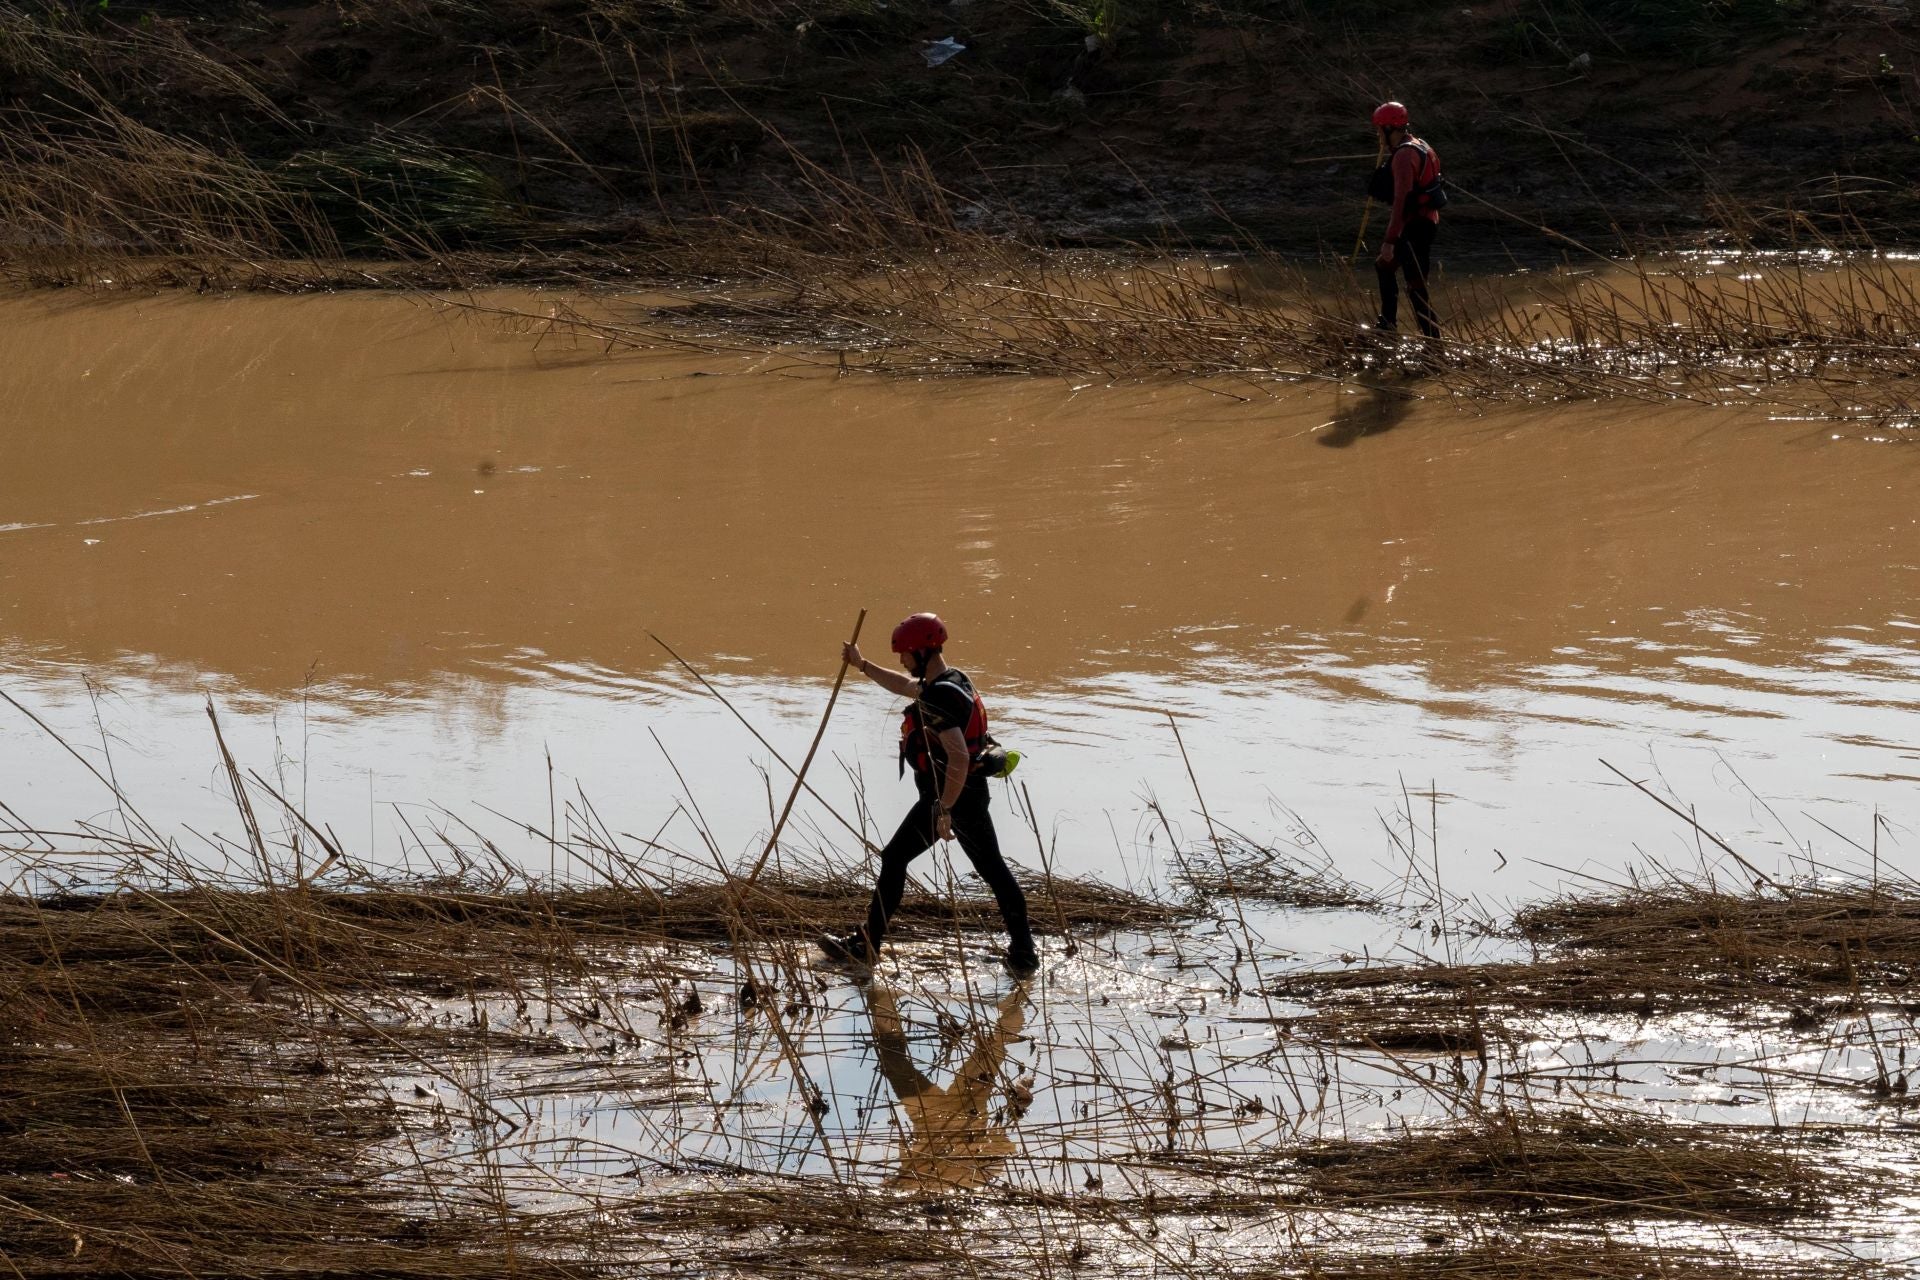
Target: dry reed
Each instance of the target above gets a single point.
(212, 1076)
(426, 937)
(1241, 869)
(193, 1082)
(1576, 1166)
(889, 282)
(1498, 1256)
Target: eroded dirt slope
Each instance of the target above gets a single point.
(1095, 119)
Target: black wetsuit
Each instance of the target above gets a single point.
(946, 702)
(1413, 222)
(1413, 256)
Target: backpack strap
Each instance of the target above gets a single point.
(1426, 157)
(1422, 186)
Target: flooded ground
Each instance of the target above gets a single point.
(598, 1079)
(1136, 1074)
(415, 556)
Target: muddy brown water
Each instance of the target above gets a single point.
(412, 554)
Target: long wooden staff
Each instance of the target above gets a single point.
(1366, 214)
(800, 777)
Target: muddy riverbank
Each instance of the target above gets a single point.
(219, 132)
(244, 1081)
(377, 881)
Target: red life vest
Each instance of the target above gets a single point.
(916, 741)
(1428, 191)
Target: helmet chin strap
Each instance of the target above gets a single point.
(920, 659)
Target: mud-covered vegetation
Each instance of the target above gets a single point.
(1685, 947)
(202, 1082)
(766, 169)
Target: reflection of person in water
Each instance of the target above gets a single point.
(1374, 412)
(950, 1137)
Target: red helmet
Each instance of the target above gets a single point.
(1390, 115)
(921, 631)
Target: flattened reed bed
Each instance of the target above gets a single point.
(131, 1149)
(1667, 949)
(1587, 1258)
(1502, 1174)
(788, 1229)
(232, 1136)
(290, 1224)
(1446, 1031)
(426, 937)
(1241, 869)
(1823, 936)
(1561, 1165)
(1577, 1166)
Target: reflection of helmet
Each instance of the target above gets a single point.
(921, 631)
(1390, 115)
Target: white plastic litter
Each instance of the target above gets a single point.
(939, 51)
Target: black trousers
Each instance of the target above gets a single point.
(1413, 256)
(973, 828)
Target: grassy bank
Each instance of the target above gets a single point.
(754, 165)
(583, 134)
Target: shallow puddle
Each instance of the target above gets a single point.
(1134, 1086)
(415, 556)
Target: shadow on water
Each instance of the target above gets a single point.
(1375, 411)
(951, 1137)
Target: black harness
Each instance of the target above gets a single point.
(1428, 195)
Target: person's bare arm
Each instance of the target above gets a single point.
(892, 681)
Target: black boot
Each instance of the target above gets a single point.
(852, 949)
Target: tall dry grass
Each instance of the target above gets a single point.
(891, 277)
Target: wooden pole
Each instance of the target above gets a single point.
(1366, 214)
(800, 777)
(758, 737)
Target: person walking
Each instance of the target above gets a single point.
(943, 736)
(1411, 185)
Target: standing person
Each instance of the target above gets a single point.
(942, 736)
(1411, 184)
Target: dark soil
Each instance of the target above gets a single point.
(612, 122)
